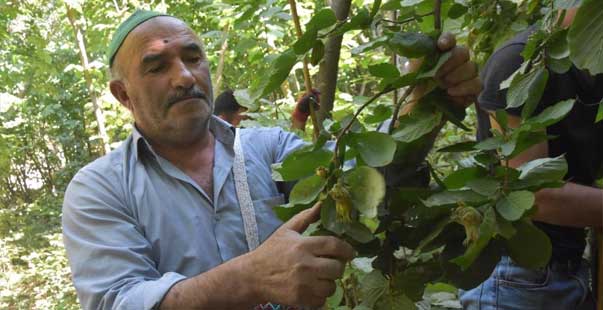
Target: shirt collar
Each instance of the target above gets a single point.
(222, 130)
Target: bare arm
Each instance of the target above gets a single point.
(571, 205)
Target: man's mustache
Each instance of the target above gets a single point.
(193, 92)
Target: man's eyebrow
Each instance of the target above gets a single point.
(193, 47)
(150, 58)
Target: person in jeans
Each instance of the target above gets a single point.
(562, 213)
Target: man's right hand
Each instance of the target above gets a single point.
(292, 269)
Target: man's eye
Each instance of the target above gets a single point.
(195, 59)
(155, 69)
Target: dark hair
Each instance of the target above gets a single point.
(226, 103)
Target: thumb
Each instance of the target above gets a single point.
(302, 220)
(446, 41)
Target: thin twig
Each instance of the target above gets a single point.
(397, 108)
(349, 125)
(437, 12)
(407, 20)
(307, 79)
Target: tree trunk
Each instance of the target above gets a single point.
(98, 113)
(327, 73)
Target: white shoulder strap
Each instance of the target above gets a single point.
(244, 196)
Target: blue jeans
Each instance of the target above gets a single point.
(511, 287)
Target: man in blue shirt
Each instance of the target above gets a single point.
(159, 222)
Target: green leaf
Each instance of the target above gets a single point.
(384, 70)
(361, 20)
(328, 217)
(599, 113)
(375, 148)
(521, 141)
(301, 163)
(526, 90)
(457, 10)
(244, 99)
(394, 301)
(459, 178)
(552, 114)
(515, 204)
(380, 113)
(502, 118)
(557, 46)
(322, 19)
(432, 72)
(459, 147)
(411, 44)
(490, 144)
(559, 66)
(434, 233)
(279, 71)
(416, 125)
(372, 286)
(367, 188)
(534, 44)
(452, 198)
(306, 190)
(334, 300)
(543, 170)
(318, 52)
(586, 37)
(484, 186)
(504, 228)
(371, 45)
(529, 247)
(358, 232)
(486, 232)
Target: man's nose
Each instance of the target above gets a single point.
(182, 76)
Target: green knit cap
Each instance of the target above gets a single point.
(139, 17)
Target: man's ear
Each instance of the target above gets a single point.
(118, 89)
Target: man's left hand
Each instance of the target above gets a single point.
(458, 75)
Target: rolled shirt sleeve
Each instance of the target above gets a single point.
(111, 261)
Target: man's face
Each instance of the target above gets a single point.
(235, 118)
(165, 81)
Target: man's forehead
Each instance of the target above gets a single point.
(162, 28)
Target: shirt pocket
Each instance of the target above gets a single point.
(267, 220)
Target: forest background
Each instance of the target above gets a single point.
(57, 114)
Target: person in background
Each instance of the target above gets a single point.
(228, 108)
(562, 213)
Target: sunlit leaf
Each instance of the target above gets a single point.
(515, 204)
(306, 190)
(376, 149)
(586, 37)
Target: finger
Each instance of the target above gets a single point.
(464, 72)
(412, 65)
(329, 246)
(302, 220)
(328, 268)
(468, 88)
(446, 41)
(462, 101)
(458, 56)
(324, 289)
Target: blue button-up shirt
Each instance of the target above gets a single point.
(134, 224)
